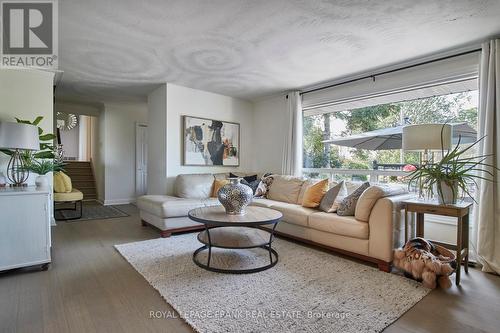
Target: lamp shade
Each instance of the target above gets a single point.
(19, 136)
(426, 137)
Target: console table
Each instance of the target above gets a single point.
(25, 218)
(459, 210)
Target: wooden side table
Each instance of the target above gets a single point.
(459, 210)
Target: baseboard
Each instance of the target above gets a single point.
(118, 202)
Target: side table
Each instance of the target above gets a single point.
(459, 210)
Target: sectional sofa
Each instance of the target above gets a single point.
(370, 235)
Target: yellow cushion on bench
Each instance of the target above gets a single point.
(74, 195)
(62, 183)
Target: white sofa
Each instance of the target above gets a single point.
(371, 240)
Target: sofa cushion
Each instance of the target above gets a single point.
(332, 198)
(339, 225)
(314, 194)
(165, 206)
(262, 202)
(370, 196)
(285, 189)
(194, 186)
(292, 213)
(73, 195)
(347, 207)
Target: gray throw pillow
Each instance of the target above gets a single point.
(347, 207)
(327, 203)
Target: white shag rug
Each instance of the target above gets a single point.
(307, 291)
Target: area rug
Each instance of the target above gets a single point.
(307, 291)
(91, 211)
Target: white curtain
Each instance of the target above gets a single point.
(292, 144)
(488, 209)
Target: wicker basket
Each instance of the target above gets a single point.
(444, 255)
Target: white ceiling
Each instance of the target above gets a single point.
(122, 49)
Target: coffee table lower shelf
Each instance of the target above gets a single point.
(235, 238)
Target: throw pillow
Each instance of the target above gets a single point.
(347, 207)
(247, 179)
(218, 183)
(314, 194)
(332, 198)
(264, 185)
(253, 185)
(62, 183)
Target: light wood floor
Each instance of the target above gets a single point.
(91, 288)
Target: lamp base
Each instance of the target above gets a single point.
(16, 170)
(18, 185)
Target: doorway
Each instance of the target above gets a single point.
(141, 159)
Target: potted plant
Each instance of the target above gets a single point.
(42, 168)
(452, 174)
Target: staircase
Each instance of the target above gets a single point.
(82, 178)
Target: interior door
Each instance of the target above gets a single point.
(141, 158)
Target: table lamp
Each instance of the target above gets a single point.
(18, 137)
(427, 138)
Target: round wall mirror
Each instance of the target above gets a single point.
(66, 121)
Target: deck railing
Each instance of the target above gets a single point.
(377, 176)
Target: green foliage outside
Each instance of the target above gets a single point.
(437, 109)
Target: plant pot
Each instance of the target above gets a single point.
(235, 196)
(447, 195)
(42, 182)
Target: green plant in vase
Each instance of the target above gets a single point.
(42, 168)
(453, 174)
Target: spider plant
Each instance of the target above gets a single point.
(453, 173)
(43, 167)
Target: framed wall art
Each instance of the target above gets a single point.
(210, 142)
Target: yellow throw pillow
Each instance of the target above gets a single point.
(314, 194)
(218, 183)
(62, 183)
(58, 183)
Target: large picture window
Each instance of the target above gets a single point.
(322, 126)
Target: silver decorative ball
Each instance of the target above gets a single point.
(235, 196)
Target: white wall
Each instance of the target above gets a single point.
(186, 101)
(119, 122)
(26, 94)
(157, 141)
(97, 153)
(269, 117)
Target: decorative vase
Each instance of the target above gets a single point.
(235, 196)
(447, 195)
(42, 182)
(3, 180)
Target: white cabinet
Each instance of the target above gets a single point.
(24, 227)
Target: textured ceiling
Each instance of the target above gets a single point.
(122, 49)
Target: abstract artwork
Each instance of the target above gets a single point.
(211, 142)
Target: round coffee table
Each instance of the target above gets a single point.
(235, 232)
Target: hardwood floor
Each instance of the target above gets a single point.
(91, 288)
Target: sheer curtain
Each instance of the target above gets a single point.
(487, 217)
(292, 144)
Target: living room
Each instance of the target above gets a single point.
(233, 166)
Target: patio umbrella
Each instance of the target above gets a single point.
(392, 138)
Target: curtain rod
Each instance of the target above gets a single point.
(391, 71)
